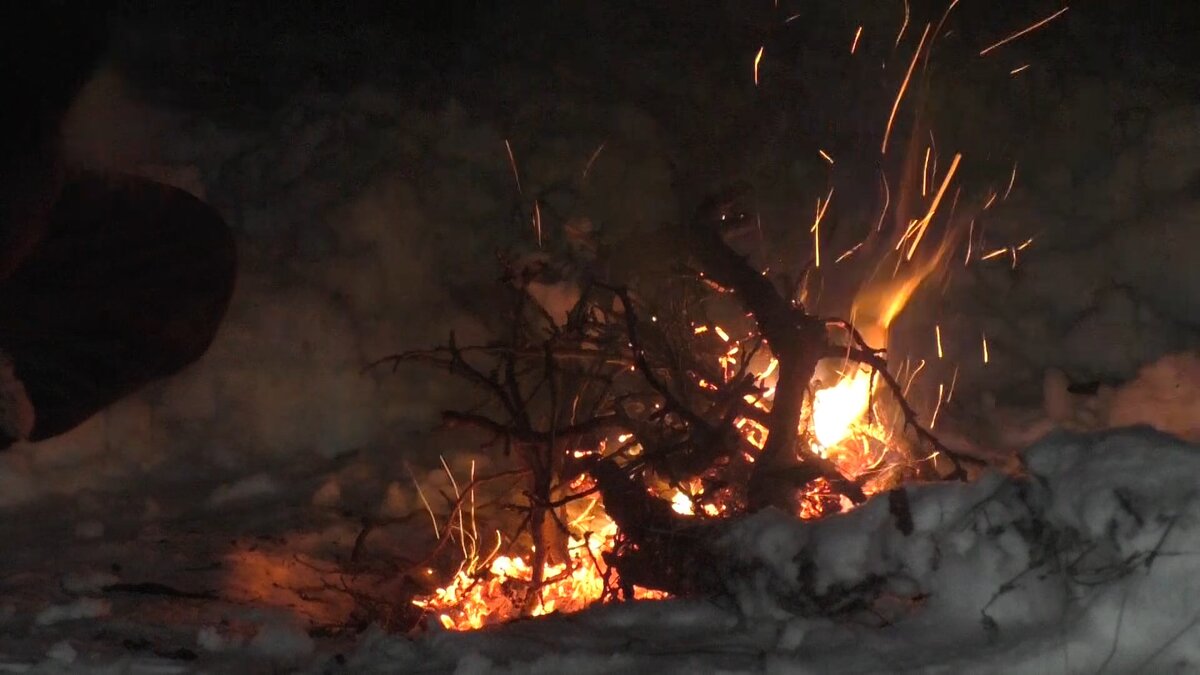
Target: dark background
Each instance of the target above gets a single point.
(669, 86)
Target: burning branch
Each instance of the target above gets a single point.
(862, 353)
(797, 339)
(622, 406)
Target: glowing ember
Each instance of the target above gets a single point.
(503, 591)
(682, 504)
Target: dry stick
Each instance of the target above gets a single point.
(542, 481)
(670, 401)
(577, 353)
(700, 427)
(602, 423)
(457, 365)
(798, 341)
(910, 416)
(370, 524)
(870, 356)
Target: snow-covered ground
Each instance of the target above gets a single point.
(1083, 563)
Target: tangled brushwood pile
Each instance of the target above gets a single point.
(640, 431)
(645, 414)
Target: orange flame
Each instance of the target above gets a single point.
(880, 302)
(836, 409)
(474, 599)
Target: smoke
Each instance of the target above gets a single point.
(369, 219)
(366, 225)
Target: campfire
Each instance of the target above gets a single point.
(644, 460)
(642, 418)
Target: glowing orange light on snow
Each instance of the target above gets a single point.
(478, 596)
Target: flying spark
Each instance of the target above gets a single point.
(512, 161)
(1025, 31)
(816, 226)
(904, 25)
(913, 377)
(1011, 179)
(937, 199)
(1018, 69)
(937, 331)
(857, 35)
(985, 348)
(970, 242)
(592, 160)
(887, 200)
(938, 30)
(887, 134)
(925, 173)
(848, 253)
(936, 408)
(757, 60)
(537, 222)
(943, 19)
(933, 167)
(825, 156)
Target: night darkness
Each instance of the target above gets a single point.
(327, 327)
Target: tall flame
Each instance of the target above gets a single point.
(879, 302)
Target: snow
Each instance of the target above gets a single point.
(280, 641)
(1165, 395)
(87, 582)
(83, 608)
(62, 651)
(1083, 562)
(252, 487)
(1082, 565)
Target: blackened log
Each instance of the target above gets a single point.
(658, 548)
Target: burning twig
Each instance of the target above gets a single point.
(723, 438)
(873, 360)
